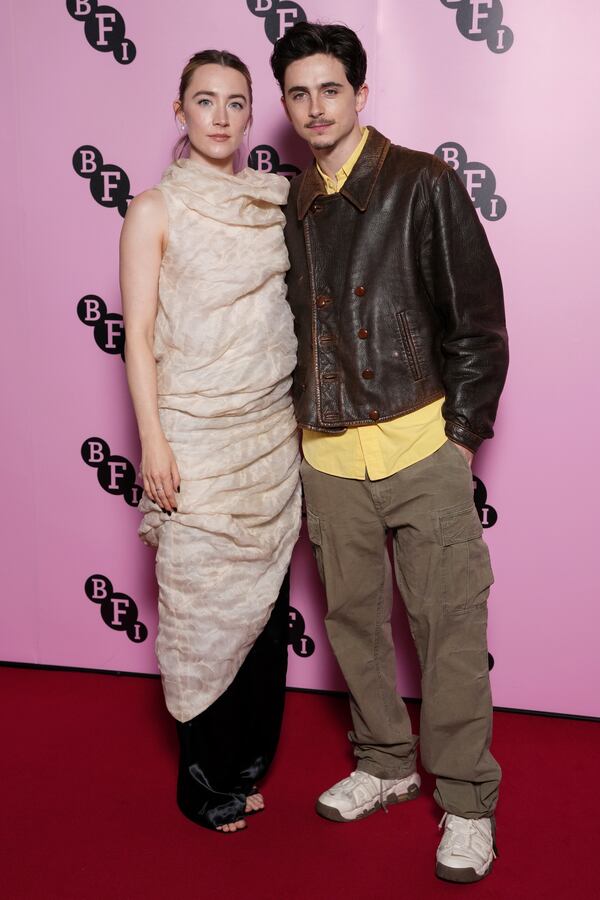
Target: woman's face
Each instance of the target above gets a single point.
(216, 110)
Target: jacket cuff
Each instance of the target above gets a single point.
(463, 436)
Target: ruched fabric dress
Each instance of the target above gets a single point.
(225, 350)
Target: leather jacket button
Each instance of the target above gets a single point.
(360, 291)
(368, 373)
(363, 333)
(374, 414)
(323, 301)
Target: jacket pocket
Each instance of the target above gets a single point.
(409, 343)
(466, 569)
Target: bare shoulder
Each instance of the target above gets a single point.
(147, 216)
(149, 206)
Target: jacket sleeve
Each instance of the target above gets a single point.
(463, 282)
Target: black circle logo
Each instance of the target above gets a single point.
(481, 20)
(109, 333)
(104, 29)
(265, 158)
(478, 179)
(116, 474)
(109, 184)
(279, 15)
(118, 611)
(302, 644)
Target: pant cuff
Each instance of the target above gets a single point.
(365, 765)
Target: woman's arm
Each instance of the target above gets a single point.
(143, 239)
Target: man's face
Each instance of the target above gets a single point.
(320, 101)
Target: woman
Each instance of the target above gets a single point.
(210, 351)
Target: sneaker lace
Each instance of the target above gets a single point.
(365, 778)
(463, 830)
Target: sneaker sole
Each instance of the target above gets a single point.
(334, 815)
(460, 876)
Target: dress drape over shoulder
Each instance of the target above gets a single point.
(225, 349)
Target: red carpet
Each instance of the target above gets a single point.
(88, 811)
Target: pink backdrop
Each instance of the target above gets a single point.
(527, 114)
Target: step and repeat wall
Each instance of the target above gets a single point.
(506, 94)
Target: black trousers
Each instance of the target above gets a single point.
(227, 748)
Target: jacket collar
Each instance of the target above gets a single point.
(359, 186)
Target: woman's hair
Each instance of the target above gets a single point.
(205, 58)
(307, 38)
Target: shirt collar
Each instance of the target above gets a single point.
(359, 186)
(344, 171)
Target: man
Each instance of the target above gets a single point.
(402, 358)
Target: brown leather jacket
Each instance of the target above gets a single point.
(396, 296)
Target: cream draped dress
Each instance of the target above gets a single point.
(225, 349)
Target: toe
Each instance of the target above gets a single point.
(232, 826)
(254, 803)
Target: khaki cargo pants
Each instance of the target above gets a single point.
(443, 572)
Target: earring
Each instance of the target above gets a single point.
(182, 126)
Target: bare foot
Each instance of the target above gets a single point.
(232, 826)
(254, 803)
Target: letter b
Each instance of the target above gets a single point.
(80, 9)
(91, 309)
(453, 155)
(98, 588)
(260, 8)
(87, 160)
(94, 451)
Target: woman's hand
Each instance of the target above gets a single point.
(160, 473)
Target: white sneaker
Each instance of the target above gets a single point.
(361, 794)
(467, 849)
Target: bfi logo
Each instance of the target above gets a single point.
(109, 333)
(109, 184)
(487, 513)
(118, 611)
(264, 158)
(104, 29)
(478, 179)
(481, 20)
(279, 15)
(116, 474)
(302, 644)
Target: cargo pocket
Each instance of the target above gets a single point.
(314, 533)
(466, 568)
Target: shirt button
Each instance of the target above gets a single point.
(322, 301)
(363, 333)
(368, 373)
(360, 291)
(374, 414)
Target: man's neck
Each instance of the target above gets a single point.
(332, 159)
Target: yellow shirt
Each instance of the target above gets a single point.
(380, 449)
